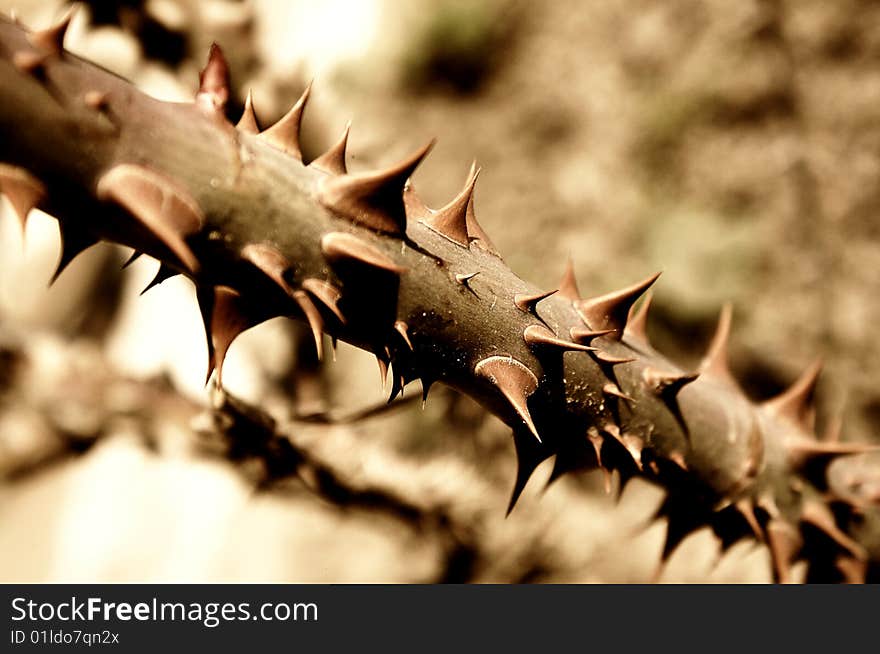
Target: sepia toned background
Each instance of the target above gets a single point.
(733, 145)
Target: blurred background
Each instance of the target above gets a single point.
(733, 145)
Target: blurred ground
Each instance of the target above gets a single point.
(733, 145)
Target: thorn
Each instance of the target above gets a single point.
(539, 335)
(814, 512)
(284, 134)
(715, 364)
(568, 284)
(164, 272)
(596, 440)
(383, 369)
(73, 242)
(610, 311)
(528, 303)
(637, 321)
(632, 443)
(803, 449)
(785, 543)
(678, 459)
(213, 90)
(451, 220)
(515, 381)
(475, 232)
(248, 122)
(465, 280)
(586, 336)
(23, 190)
(746, 508)
(97, 100)
(269, 260)
(402, 328)
(614, 390)
(333, 161)
(426, 387)
(158, 204)
(326, 294)
(341, 246)
(529, 455)
(51, 40)
(134, 257)
(29, 62)
(225, 316)
(796, 403)
(612, 360)
(666, 383)
(313, 316)
(373, 199)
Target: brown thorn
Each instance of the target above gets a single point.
(383, 370)
(746, 508)
(224, 320)
(373, 199)
(313, 316)
(785, 543)
(515, 381)
(51, 39)
(413, 206)
(678, 459)
(637, 321)
(632, 443)
(610, 311)
(73, 242)
(402, 329)
(568, 284)
(528, 302)
(465, 280)
(451, 221)
(796, 403)
(158, 203)
(29, 62)
(23, 190)
(814, 512)
(333, 160)
(325, 293)
(586, 336)
(164, 272)
(715, 363)
(285, 134)
(268, 259)
(475, 231)
(213, 90)
(611, 359)
(614, 390)
(663, 383)
(540, 335)
(97, 100)
(248, 122)
(341, 245)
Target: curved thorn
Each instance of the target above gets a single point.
(637, 321)
(51, 39)
(796, 403)
(285, 134)
(313, 317)
(568, 284)
(325, 293)
(610, 311)
(714, 363)
(269, 260)
(333, 160)
(373, 199)
(527, 303)
(213, 90)
(23, 190)
(451, 221)
(402, 329)
(539, 335)
(164, 272)
(248, 122)
(586, 336)
(515, 381)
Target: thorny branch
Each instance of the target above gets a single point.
(359, 256)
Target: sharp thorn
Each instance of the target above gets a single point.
(515, 381)
(610, 311)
